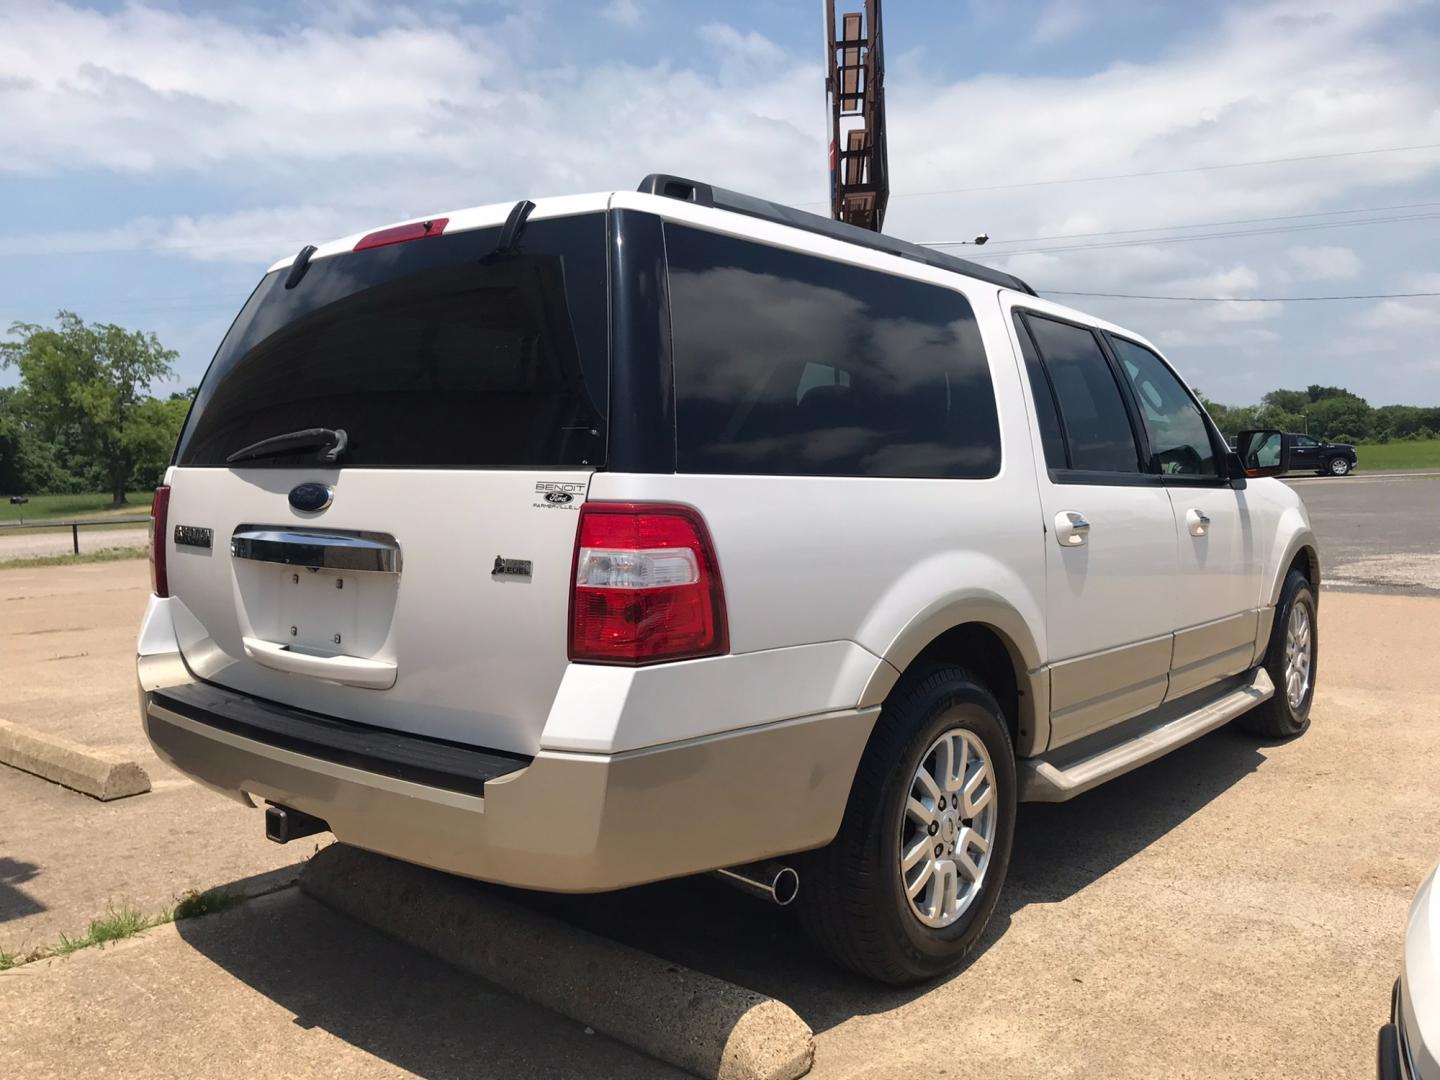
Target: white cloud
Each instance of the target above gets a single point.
(1325, 263)
(362, 113)
(623, 12)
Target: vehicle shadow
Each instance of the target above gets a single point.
(391, 1001)
(14, 902)
(1059, 850)
(410, 1009)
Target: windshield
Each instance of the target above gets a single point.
(428, 354)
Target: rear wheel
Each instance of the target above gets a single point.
(1290, 662)
(909, 883)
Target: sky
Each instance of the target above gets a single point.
(156, 158)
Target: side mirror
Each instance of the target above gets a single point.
(1263, 453)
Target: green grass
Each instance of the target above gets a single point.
(115, 924)
(1384, 457)
(194, 904)
(96, 506)
(103, 555)
(127, 921)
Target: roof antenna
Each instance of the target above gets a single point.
(299, 266)
(514, 226)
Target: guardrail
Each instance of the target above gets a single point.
(74, 526)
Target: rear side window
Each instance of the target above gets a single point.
(1096, 426)
(790, 364)
(435, 353)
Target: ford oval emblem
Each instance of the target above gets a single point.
(559, 498)
(311, 498)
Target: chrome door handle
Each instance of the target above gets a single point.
(1071, 528)
(1197, 522)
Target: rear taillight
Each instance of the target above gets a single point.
(159, 516)
(646, 586)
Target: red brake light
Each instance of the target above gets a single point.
(645, 585)
(159, 518)
(398, 234)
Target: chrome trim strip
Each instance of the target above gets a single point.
(317, 549)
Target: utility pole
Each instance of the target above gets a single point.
(855, 92)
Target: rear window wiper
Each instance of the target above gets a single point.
(332, 440)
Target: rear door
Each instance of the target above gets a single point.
(422, 581)
(1219, 567)
(1111, 562)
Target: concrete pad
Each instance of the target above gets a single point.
(705, 1025)
(65, 858)
(67, 654)
(282, 987)
(97, 773)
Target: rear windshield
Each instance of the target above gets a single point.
(435, 353)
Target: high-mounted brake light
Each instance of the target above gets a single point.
(159, 518)
(646, 586)
(398, 234)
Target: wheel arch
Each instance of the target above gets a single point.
(989, 638)
(1303, 554)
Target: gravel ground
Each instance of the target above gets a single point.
(24, 544)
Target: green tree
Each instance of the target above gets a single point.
(152, 437)
(90, 381)
(1286, 401)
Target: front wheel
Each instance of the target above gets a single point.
(1290, 661)
(906, 888)
(1339, 466)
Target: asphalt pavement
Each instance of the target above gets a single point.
(1377, 532)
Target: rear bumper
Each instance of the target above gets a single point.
(569, 822)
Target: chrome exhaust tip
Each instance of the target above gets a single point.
(772, 881)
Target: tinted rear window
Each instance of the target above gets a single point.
(790, 364)
(430, 353)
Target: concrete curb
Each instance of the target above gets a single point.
(97, 773)
(702, 1024)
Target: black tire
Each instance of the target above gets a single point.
(852, 903)
(1338, 466)
(1276, 718)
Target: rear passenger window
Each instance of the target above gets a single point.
(790, 364)
(1092, 412)
(1046, 416)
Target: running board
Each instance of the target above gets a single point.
(1043, 781)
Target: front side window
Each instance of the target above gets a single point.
(1305, 440)
(788, 364)
(1179, 436)
(1093, 418)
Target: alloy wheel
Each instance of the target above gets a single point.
(1299, 655)
(948, 829)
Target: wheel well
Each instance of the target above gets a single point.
(982, 651)
(1308, 565)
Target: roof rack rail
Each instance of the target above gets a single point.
(677, 187)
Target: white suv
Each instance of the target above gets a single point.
(618, 537)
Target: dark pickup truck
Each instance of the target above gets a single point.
(1307, 453)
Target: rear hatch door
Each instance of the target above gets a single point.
(421, 581)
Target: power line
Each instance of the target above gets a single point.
(1240, 299)
(1207, 236)
(1196, 225)
(1167, 172)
